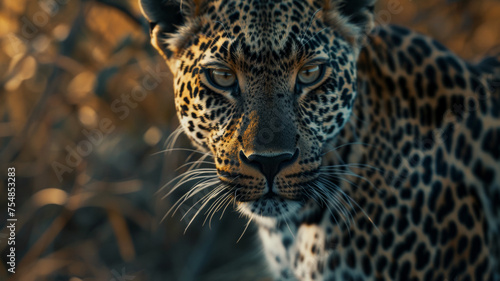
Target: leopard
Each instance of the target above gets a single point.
(360, 151)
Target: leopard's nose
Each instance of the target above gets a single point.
(269, 164)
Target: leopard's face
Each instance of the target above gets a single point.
(263, 86)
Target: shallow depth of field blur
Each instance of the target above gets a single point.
(86, 104)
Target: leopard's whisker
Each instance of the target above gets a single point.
(364, 212)
(200, 187)
(347, 144)
(214, 208)
(222, 203)
(326, 202)
(182, 150)
(338, 189)
(172, 139)
(197, 162)
(289, 229)
(352, 165)
(312, 37)
(246, 227)
(194, 175)
(303, 33)
(205, 200)
(187, 177)
(337, 204)
(228, 195)
(337, 173)
(341, 176)
(227, 204)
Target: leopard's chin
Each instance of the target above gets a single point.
(270, 208)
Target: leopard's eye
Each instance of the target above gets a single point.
(309, 74)
(222, 77)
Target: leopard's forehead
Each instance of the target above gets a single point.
(266, 31)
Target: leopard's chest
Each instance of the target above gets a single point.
(321, 248)
(394, 224)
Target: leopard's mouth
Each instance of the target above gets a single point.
(270, 206)
(291, 187)
(255, 197)
(244, 196)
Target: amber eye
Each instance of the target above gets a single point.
(309, 74)
(223, 77)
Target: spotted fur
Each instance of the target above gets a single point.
(395, 173)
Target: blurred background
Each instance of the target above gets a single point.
(86, 107)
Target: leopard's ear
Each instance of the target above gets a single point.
(172, 23)
(354, 19)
